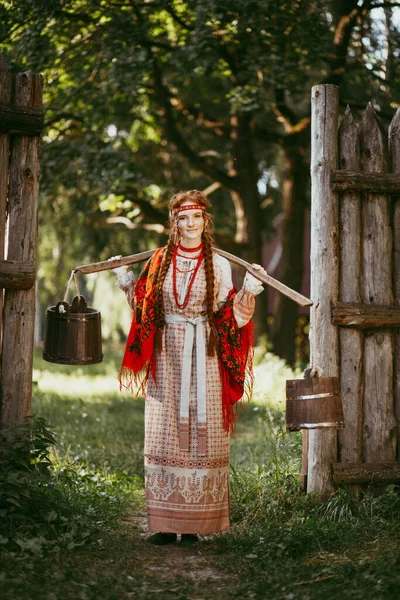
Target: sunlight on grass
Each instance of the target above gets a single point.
(271, 373)
(89, 386)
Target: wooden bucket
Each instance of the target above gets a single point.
(313, 403)
(73, 334)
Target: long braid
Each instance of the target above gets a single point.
(159, 298)
(210, 286)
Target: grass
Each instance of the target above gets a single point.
(81, 537)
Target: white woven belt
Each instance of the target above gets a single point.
(192, 325)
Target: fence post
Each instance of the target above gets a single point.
(380, 427)
(5, 96)
(324, 344)
(351, 340)
(19, 305)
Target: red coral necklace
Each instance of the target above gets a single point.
(195, 270)
(199, 247)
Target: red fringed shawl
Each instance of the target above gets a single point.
(235, 346)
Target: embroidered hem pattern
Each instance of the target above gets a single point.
(187, 500)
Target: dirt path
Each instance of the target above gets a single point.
(190, 571)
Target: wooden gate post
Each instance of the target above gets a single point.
(324, 344)
(19, 304)
(394, 153)
(5, 97)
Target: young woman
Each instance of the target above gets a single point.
(190, 345)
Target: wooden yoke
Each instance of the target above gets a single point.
(142, 256)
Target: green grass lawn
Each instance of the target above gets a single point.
(81, 535)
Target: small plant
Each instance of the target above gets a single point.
(24, 469)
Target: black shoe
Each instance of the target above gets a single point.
(187, 539)
(161, 539)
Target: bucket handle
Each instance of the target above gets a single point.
(62, 307)
(75, 278)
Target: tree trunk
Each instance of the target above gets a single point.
(247, 170)
(294, 204)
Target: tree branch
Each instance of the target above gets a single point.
(173, 134)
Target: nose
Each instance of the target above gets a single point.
(190, 221)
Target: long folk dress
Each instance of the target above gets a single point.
(186, 448)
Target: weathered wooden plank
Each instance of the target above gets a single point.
(5, 96)
(17, 274)
(324, 343)
(351, 342)
(358, 181)
(366, 473)
(394, 160)
(380, 427)
(19, 306)
(365, 316)
(304, 459)
(20, 120)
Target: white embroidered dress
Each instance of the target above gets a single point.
(186, 449)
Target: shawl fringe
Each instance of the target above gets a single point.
(234, 347)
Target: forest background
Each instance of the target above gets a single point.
(144, 98)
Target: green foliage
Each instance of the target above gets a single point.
(78, 536)
(24, 470)
(46, 505)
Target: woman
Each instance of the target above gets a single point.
(190, 344)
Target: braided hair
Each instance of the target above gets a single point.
(196, 197)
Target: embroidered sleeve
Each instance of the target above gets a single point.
(252, 284)
(225, 285)
(127, 284)
(244, 301)
(243, 307)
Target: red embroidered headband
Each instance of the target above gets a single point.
(187, 207)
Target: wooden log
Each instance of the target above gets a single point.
(142, 256)
(20, 120)
(5, 96)
(365, 316)
(358, 181)
(394, 158)
(351, 342)
(366, 473)
(379, 427)
(17, 274)
(324, 344)
(19, 306)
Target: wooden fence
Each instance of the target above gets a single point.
(355, 287)
(21, 121)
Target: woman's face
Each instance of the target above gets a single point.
(190, 225)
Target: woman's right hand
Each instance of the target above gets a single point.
(119, 271)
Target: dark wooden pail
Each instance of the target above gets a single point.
(73, 334)
(313, 403)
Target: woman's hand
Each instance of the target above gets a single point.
(119, 271)
(259, 268)
(251, 283)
